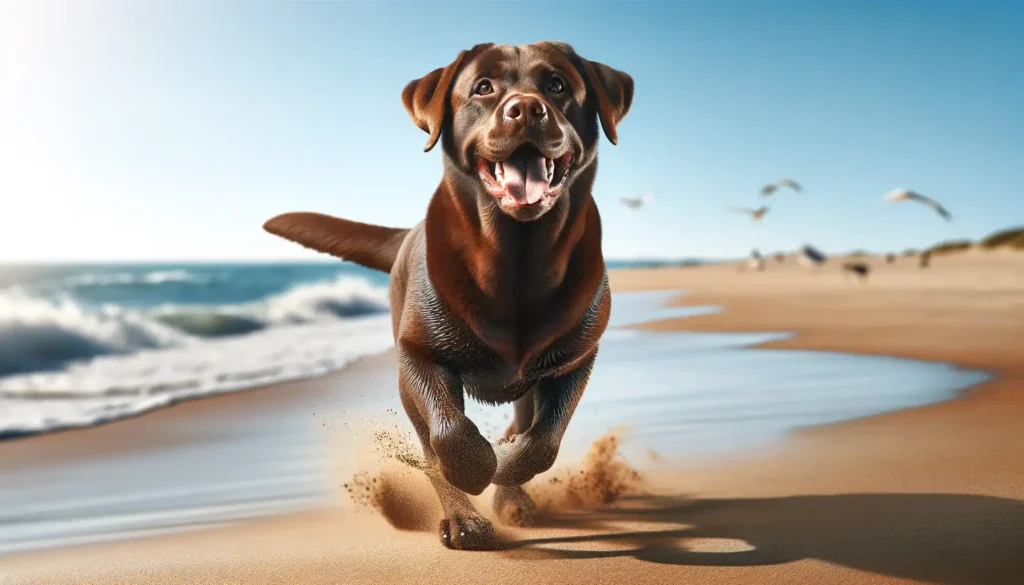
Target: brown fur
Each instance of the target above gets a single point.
(340, 237)
(504, 303)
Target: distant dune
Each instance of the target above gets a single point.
(1008, 238)
(950, 247)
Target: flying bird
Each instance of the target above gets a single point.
(755, 214)
(908, 195)
(637, 202)
(771, 188)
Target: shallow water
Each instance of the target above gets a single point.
(684, 395)
(691, 396)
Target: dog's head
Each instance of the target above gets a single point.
(519, 123)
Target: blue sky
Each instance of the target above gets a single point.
(172, 130)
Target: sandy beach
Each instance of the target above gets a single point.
(929, 494)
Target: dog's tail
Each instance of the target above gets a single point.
(372, 246)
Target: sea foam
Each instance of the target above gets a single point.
(65, 365)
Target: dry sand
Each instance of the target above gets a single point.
(931, 494)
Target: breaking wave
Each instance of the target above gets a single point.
(40, 334)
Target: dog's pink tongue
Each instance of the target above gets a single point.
(526, 178)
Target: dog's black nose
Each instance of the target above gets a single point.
(533, 107)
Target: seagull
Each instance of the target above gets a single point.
(755, 214)
(811, 256)
(755, 261)
(861, 269)
(908, 195)
(926, 259)
(771, 188)
(637, 202)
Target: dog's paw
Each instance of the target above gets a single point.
(466, 459)
(514, 507)
(521, 457)
(468, 532)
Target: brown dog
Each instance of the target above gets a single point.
(502, 291)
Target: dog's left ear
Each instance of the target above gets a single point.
(426, 98)
(614, 92)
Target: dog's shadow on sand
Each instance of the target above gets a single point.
(939, 538)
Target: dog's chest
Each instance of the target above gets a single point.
(495, 389)
(488, 374)
(498, 366)
(502, 348)
(501, 342)
(495, 380)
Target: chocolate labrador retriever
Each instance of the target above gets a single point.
(502, 291)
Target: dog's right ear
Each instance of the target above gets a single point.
(426, 98)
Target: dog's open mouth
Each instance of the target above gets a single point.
(526, 177)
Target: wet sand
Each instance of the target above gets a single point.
(928, 494)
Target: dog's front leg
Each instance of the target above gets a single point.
(458, 459)
(432, 396)
(523, 456)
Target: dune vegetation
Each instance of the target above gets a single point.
(950, 247)
(1008, 238)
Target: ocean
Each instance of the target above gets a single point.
(83, 344)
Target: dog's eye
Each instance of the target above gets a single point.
(556, 85)
(483, 87)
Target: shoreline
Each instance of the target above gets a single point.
(358, 362)
(996, 359)
(856, 501)
(48, 446)
(981, 339)
(796, 339)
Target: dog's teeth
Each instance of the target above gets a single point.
(550, 167)
(499, 171)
